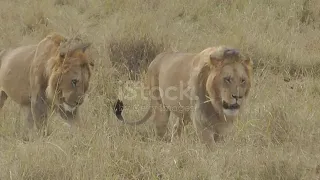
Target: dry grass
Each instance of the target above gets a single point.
(277, 138)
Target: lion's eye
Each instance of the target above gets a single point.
(227, 79)
(243, 81)
(74, 82)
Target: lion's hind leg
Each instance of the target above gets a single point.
(161, 113)
(161, 119)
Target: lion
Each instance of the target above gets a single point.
(208, 88)
(46, 75)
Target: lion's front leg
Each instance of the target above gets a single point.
(204, 129)
(39, 111)
(205, 134)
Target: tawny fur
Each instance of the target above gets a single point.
(199, 87)
(44, 76)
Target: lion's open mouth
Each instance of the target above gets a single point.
(234, 106)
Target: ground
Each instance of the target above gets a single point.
(277, 137)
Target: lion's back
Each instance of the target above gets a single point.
(170, 61)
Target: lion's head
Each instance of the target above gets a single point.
(69, 75)
(228, 78)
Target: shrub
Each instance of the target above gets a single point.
(133, 54)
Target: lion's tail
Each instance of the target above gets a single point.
(118, 110)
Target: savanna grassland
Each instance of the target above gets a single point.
(277, 137)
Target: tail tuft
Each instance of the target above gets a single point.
(118, 107)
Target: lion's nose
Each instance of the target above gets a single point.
(236, 97)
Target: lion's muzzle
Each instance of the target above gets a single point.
(234, 106)
(68, 108)
(230, 109)
(71, 105)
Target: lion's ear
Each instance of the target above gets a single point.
(248, 62)
(64, 51)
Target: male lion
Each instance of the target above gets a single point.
(209, 88)
(45, 74)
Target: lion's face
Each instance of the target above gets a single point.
(234, 87)
(70, 78)
(228, 85)
(74, 85)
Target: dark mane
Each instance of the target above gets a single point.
(197, 82)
